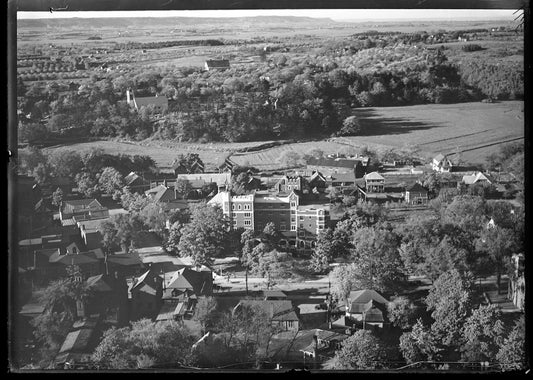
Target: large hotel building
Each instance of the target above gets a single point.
(299, 224)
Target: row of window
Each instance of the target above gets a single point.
(239, 207)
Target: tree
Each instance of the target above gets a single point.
(350, 126)
(512, 354)
(30, 158)
(120, 231)
(203, 237)
(65, 163)
(482, 334)
(167, 342)
(450, 300)
(290, 158)
(60, 300)
(498, 244)
(362, 350)
(377, 263)
(183, 187)
(467, 212)
(419, 344)
(87, 184)
(57, 197)
(401, 312)
(204, 312)
(342, 281)
(42, 173)
(111, 182)
(154, 217)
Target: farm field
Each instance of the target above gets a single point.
(474, 129)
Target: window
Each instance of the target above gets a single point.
(293, 204)
(247, 222)
(293, 212)
(247, 214)
(233, 214)
(246, 207)
(293, 228)
(282, 227)
(233, 207)
(301, 217)
(301, 225)
(320, 227)
(289, 187)
(238, 207)
(234, 222)
(293, 219)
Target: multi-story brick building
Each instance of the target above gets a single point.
(299, 224)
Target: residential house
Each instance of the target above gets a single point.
(110, 298)
(162, 194)
(77, 348)
(160, 103)
(281, 313)
(341, 182)
(126, 264)
(441, 163)
(182, 292)
(216, 64)
(323, 346)
(195, 167)
(86, 208)
(136, 183)
(367, 308)
(227, 166)
(374, 183)
(416, 194)
(317, 182)
(478, 177)
(145, 294)
(199, 180)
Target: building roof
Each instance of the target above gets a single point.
(363, 296)
(341, 177)
(439, 157)
(77, 205)
(98, 283)
(169, 310)
(72, 259)
(129, 259)
(77, 340)
(148, 100)
(475, 177)
(217, 63)
(374, 176)
(277, 310)
(416, 188)
(274, 293)
(199, 282)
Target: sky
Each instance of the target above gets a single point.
(334, 14)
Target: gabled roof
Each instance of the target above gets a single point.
(72, 259)
(363, 296)
(77, 341)
(416, 187)
(188, 279)
(439, 157)
(374, 176)
(76, 205)
(98, 283)
(333, 162)
(277, 310)
(274, 293)
(475, 177)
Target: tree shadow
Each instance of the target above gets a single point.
(372, 124)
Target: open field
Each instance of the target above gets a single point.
(475, 129)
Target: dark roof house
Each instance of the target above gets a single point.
(216, 64)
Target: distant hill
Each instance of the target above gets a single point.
(151, 22)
